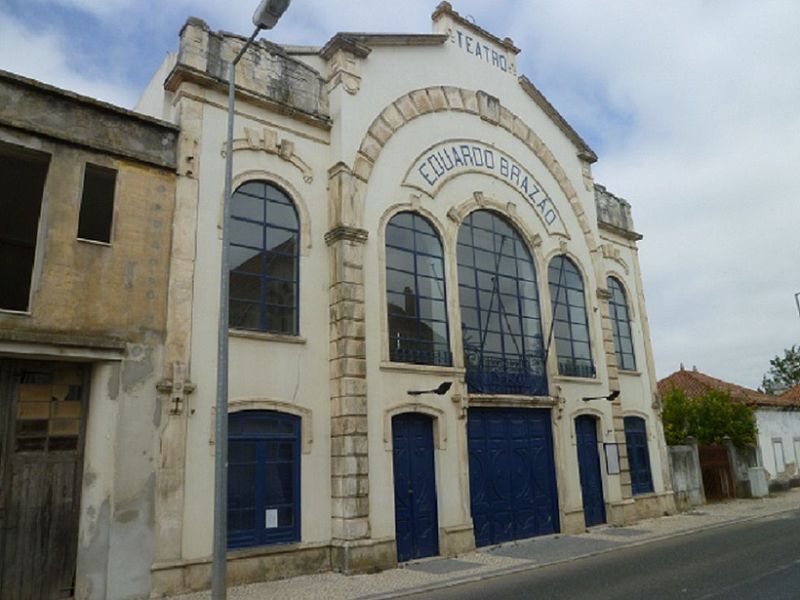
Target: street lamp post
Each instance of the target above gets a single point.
(265, 17)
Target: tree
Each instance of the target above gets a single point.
(784, 372)
(709, 418)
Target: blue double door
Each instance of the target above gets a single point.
(416, 519)
(594, 507)
(513, 492)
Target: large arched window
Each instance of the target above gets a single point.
(263, 260)
(570, 322)
(623, 340)
(415, 292)
(263, 478)
(500, 319)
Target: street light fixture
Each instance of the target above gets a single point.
(265, 17)
(613, 395)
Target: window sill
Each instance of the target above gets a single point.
(511, 400)
(266, 337)
(573, 379)
(15, 313)
(94, 242)
(630, 373)
(412, 368)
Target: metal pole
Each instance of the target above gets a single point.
(219, 588)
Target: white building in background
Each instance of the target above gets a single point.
(410, 214)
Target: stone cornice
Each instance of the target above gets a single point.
(344, 232)
(347, 43)
(623, 233)
(183, 73)
(584, 151)
(445, 8)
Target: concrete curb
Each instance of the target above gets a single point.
(491, 574)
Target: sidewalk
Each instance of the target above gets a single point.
(508, 558)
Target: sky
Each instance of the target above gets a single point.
(693, 107)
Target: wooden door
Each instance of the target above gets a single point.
(42, 414)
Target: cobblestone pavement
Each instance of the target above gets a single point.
(507, 558)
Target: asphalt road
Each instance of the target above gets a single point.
(756, 559)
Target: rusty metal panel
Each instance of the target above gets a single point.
(717, 476)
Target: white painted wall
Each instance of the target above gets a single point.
(783, 425)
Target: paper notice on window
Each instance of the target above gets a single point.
(271, 518)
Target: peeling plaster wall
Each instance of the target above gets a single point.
(103, 304)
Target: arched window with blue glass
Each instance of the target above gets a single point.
(264, 261)
(416, 298)
(621, 322)
(499, 298)
(570, 328)
(263, 478)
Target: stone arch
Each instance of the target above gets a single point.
(433, 99)
(262, 403)
(437, 414)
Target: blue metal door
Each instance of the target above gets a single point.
(416, 521)
(638, 456)
(594, 506)
(512, 478)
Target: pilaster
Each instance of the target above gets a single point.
(603, 298)
(350, 529)
(175, 388)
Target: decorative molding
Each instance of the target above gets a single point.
(262, 403)
(343, 232)
(267, 141)
(612, 252)
(437, 414)
(178, 388)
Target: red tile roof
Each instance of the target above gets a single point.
(792, 395)
(695, 383)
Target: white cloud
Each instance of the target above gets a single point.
(48, 57)
(711, 91)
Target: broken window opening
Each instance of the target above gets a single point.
(22, 177)
(97, 204)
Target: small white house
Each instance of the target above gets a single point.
(777, 420)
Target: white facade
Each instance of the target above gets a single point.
(779, 442)
(348, 132)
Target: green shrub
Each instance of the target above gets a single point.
(708, 418)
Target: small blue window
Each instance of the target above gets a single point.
(416, 298)
(638, 456)
(499, 298)
(263, 478)
(263, 259)
(570, 321)
(621, 322)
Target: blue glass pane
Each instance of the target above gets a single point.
(415, 292)
(492, 296)
(264, 259)
(245, 233)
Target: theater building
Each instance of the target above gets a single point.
(438, 335)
